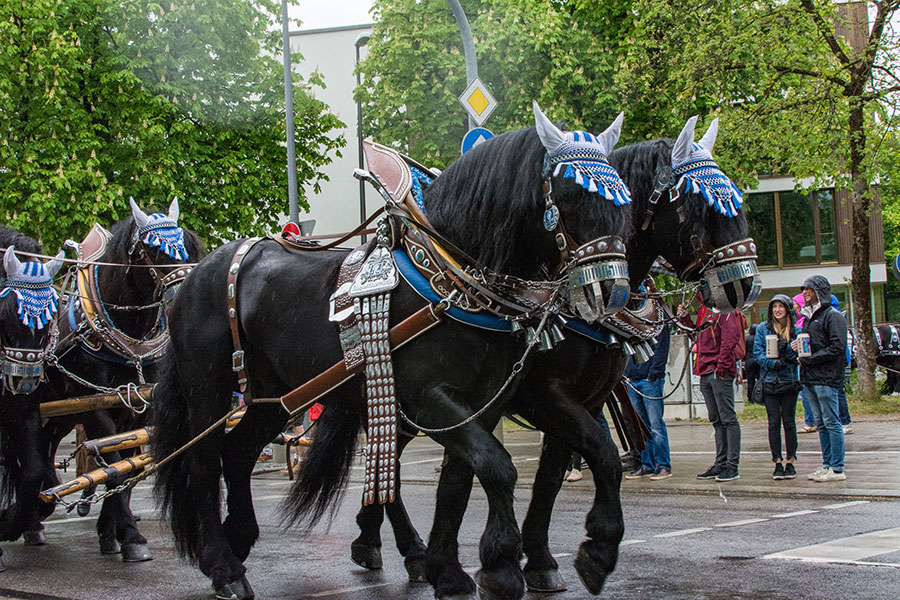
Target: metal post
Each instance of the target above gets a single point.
(289, 117)
(361, 40)
(468, 46)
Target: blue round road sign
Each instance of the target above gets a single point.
(475, 136)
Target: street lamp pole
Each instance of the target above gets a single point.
(289, 117)
(361, 40)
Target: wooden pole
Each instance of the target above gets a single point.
(96, 477)
(80, 404)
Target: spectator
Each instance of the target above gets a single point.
(779, 379)
(717, 367)
(751, 367)
(822, 372)
(645, 389)
(843, 409)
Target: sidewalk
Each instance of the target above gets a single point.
(871, 462)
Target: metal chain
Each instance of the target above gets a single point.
(687, 357)
(517, 368)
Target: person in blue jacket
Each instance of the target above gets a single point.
(645, 390)
(781, 383)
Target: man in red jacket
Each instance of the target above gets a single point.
(717, 368)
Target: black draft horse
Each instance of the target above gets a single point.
(28, 306)
(488, 203)
(564, 388)
(131, 297)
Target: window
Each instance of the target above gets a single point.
(791, 228)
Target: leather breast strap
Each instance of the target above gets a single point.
(237, 357)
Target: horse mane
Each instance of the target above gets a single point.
(489, 203)
(637, 165)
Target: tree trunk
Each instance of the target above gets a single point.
(860, 204)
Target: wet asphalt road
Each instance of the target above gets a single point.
(711, 542)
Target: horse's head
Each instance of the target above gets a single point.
(28, 306)
(587, 209)
(689, 212)
(159, 245)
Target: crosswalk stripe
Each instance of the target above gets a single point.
(845, 504)
(794, 514)
(739, 523)
(848, 549)
(683, 532)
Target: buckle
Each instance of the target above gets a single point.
(237, 361)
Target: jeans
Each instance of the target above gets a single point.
(782, 411)
(808, 419)
(656, 453)
(823, 399)
(843, 410)
(718, 394)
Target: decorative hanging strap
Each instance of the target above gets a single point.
(381, 398)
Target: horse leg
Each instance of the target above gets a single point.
(605, 526)
(26, 469)
(541, 570)
(243, 444)
(500, 577)
(366, 549)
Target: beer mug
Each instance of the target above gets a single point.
(804, 349)
(771, 346)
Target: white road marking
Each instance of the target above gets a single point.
(630, 542)
(845, 504)
(683, 532)
(848, 550)
(739, 523)
(794, 514)
(68, 521)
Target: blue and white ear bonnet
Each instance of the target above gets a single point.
(582, 156)
(161, 231)
(697, 172)
(36, 300)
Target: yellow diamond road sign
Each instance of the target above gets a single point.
(478, 101)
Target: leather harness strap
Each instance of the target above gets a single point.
(303, 397)
(237, 358)
(305, 243)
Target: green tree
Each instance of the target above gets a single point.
(804, 84)
(553, 52)
(105, 99)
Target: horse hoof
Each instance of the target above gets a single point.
(547, 581)
(136, 553)
(591, 573)
(35, 537)
(83, 509)
(368, 557)
(109, 546)
(415, 568)
(239, 589)
(487, 590)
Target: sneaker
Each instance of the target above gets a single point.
(848, 429)
(829, 475)
(808, 429)
(728, 475)
(710, 473)
(779, 472)
(835, 476)
(817, 473)
(630, 464)
(789, 471)
(663, 474)
(638, 473)
(575, 475)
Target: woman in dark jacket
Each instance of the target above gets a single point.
(780, 380)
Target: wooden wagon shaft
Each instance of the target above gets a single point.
(141, 437)
(96, 477)
(72, 406)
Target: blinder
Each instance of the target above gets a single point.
(730, 280)
(22, 369)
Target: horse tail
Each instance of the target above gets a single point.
(170, 432)
(326, 469)
(9, 472)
